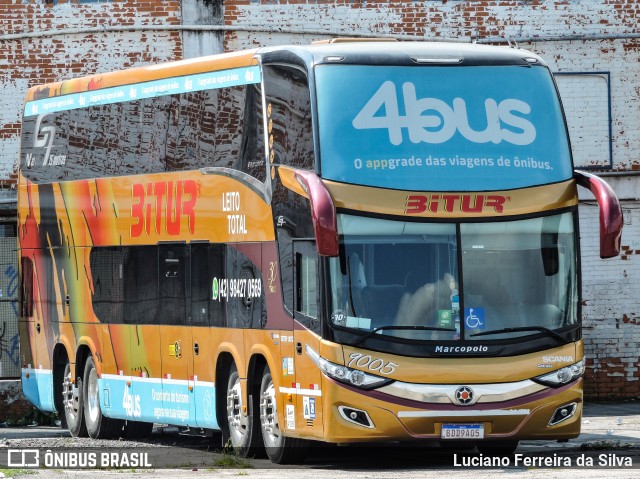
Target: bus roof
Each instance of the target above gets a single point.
(403, 53)
(143, 74)
(343, 51)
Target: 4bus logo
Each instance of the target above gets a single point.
(431, 120)
(161, 203)
(466, 203)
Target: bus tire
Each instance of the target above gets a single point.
(98, 425)
(497, 448)
(280, 448)
(241, 431)
(73, 402)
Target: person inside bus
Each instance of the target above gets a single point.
(421, 307)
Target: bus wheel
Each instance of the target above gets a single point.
(98, 425)
(241, 431)
(497, 448)
(280, 449)
(72, 401)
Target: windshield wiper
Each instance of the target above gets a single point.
(540, 329)
(400, 328)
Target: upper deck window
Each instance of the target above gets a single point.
(439, 128)
(212, 119)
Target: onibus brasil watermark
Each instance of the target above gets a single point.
(66, 459)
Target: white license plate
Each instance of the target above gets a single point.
(462, 431)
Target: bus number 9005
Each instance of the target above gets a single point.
(366, 361)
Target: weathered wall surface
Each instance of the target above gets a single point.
(611, 303)
(44, 41)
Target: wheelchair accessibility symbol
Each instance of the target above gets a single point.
(474, 318)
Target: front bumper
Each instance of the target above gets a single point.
(401, 419)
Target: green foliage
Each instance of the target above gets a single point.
(231, 459)
(16, 472)
(32, 416)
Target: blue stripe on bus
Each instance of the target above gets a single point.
(38, 388)
(138, 91)
(160, 401)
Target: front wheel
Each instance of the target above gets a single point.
(280, 449)
(98, 425)
(72, 401)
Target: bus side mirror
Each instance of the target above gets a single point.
(323, 212)
(611, 219)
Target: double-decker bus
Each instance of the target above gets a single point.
(340, 242)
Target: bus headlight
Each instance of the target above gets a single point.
(344, 374)
(562, 376)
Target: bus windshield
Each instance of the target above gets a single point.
(426, 128)
(518, 278)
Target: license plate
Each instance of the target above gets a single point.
(462, 431)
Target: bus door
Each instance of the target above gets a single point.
(306, 301)
(176, 347)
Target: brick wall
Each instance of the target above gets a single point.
(52, 51)
(611, 308)
(587, 108)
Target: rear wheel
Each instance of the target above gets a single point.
(280, 449)
(242, 434)
(72, 402)
(98, 425)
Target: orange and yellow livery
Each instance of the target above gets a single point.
(341, 242)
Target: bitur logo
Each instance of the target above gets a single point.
(465, 203)
(163, 203)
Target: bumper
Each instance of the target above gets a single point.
(37, 387)
(392, 418)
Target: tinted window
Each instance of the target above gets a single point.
(307, 283)
(200, 284)
(206, 272)
(245, 306)
(26, 298)
(293, 221)
(107, 273)
(172, 284)
(289, 117)
(210, 128)
(141, 285)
